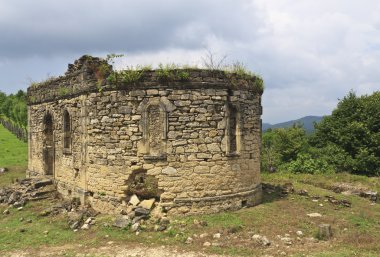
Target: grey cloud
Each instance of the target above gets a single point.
(54, 27)
(310, 53)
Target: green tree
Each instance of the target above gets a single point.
(280, 146)
(351, 135)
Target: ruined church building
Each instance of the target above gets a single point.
(189, 138)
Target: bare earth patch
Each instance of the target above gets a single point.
(126, 250)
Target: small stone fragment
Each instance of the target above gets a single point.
(135, 227)
(314, 215)
(203, 235)
(75, 225)
(303, 192)
(134, 200)
(142, 211)
(207, 244)
(262, 240)
(88, 221)
(147, 204)
(85, 226)
(122, 221)
(189, 240)
(216, 236)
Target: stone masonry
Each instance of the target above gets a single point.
(193, 143)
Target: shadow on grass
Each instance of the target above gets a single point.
(273, 193)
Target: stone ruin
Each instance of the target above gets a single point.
(189, 141)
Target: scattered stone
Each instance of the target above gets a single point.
(287, 240)
(75, 225)
(21, 219)
(303, 192)
(20, 208)
(138, 219)
(203, 235)
(189, 240)
(372, 195)
(134, 200)
(160, 228)
(288, 188)
(122, 221)
(164, 221)
(200, 223)
(45, 213)
(344, 202)
(3, 170)
(216, 236)
(19, 203)
(135, 227)
(88, 221)
(147, 204)
(207, 244)
(29, 221)
(314, 215)
(262, 240)
(6, 211)
(14, 197)
(299, 233)
(350, 189)
(46, 232)
(142, 211)
(324, 231)
(85, 227)
(42, 183)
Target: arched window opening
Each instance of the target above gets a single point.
(155, 130)
(66, 131)
(48, 145)
(233, 130)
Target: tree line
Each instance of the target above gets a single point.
(14, 114)
(348, 140)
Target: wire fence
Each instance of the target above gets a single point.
(20, 133)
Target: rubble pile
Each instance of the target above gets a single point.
(137, 213)
(26, 190)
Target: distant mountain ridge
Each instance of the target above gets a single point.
(307, 121)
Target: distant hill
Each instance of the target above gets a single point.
(308, 123)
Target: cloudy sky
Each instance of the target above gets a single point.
(310, 53)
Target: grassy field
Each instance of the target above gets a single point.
(356, 229)
(13, 155)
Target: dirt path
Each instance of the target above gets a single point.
(108, 250)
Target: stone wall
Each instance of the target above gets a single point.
(194, 145)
